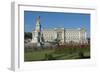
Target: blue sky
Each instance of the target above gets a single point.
(56, 20)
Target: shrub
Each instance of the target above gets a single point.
(49, 57)
(81, 54)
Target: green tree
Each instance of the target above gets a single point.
(27, 35)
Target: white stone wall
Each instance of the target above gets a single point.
(65, 35)
(72, 35)
(76, 35)
(83, 37)
(49, 35)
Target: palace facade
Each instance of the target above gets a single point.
(63, 35)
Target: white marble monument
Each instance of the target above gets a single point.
(37, 39)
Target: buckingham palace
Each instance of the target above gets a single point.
(78, 35)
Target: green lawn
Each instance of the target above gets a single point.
(37, 55)
(52, 54)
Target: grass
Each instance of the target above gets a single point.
(57, 54)
(37, 55)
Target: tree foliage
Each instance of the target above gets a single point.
(27, 35)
